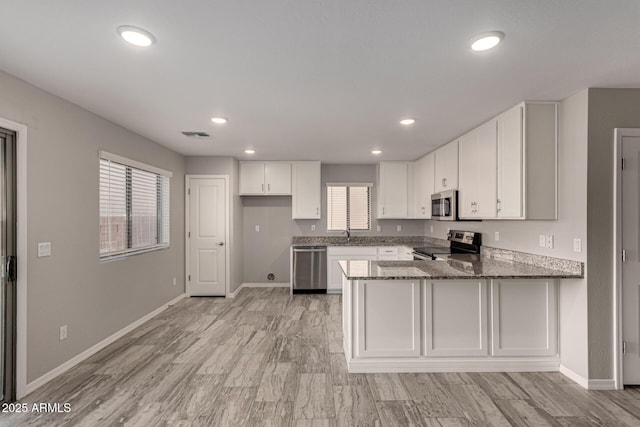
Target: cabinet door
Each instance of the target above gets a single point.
(446, 167)
(388, 319)
(487, 169)
(278, 178)
(393, 190)
(524, 317)
(423, 184)
(252, 178)
(468, 174)
(306, 186)
(510, 164)
(459, 332)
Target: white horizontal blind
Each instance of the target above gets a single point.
(348, 206)
(359, 208)
(134, 209)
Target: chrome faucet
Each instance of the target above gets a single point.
(348, 231)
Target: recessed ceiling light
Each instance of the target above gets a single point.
(250, 151)
(486, 41)
(376, 152)
(407, 121)
(136, 36)
(219, 120)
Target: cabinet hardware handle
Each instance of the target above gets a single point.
(263, 188)
(269, 187)
(499, 205)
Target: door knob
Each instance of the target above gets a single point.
(220, 243)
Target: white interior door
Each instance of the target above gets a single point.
(207, 237)
(631, 265)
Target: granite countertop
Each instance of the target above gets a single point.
(456, 267)
(341, 240)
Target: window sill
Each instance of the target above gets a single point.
(123, 255)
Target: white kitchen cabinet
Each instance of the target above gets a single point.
(395, 188)
(337, 253)
(388, 253)
(524, 316)
(423, 184)
(265, 178)
(306, 190)
(446, 167)
(527, 162)
(388, 319)
(455, 332)
(477, 186)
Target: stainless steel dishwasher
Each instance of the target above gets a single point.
(310, 269)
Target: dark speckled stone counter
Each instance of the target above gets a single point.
(456, 267)
(341, 240)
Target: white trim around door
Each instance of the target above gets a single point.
(187, 185)
(21, 246)
(619, 133)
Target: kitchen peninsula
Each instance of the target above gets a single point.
(469, 313)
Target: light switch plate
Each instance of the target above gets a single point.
(496, 236)
(257, 228)
(431, 228)
(379, 228)
(399, 227)
(542, 241)
(63, 332)
(577, 245)
(313, 227)
(44, 249)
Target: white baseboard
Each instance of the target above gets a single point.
(39, 382)
(258, 285)
(520, 364)
(578, 379)
(602, 384)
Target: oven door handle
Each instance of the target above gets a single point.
(419, 256)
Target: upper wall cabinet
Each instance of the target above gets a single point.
(306, 191)
(527, 162)
(265, 178)
(477, 180)
(395, 188)
(446, 167)
(423, 184)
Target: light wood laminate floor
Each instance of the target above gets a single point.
(266, 358)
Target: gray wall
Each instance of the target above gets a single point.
(218, 165)
(608, 109)
(571, 223)
(72, 287)
(267, 251)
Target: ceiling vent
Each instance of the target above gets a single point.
(196, 135)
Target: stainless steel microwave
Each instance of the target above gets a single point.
(444, 206)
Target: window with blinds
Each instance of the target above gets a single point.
(348, 207)
(134, 207)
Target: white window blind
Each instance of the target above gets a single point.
(134, 209)
(348, 207)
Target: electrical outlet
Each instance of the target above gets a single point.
(542, 241)
(496, 236)
(44, 249)
(549, 241)
(257, 228)
(577, 245)
(63, 332)
(431, 228)
(399, 227)
(174, 281)
(379, 228)
(313, 227)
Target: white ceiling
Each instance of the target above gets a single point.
(323, 79)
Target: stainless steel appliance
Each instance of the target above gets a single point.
(444, 206)
(310, 269)
(460, 242)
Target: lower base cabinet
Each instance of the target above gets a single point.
(388, 318)
(455, 321)
(524, 317)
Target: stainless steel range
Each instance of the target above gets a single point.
(460, 242)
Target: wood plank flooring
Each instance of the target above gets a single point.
(268, 359)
